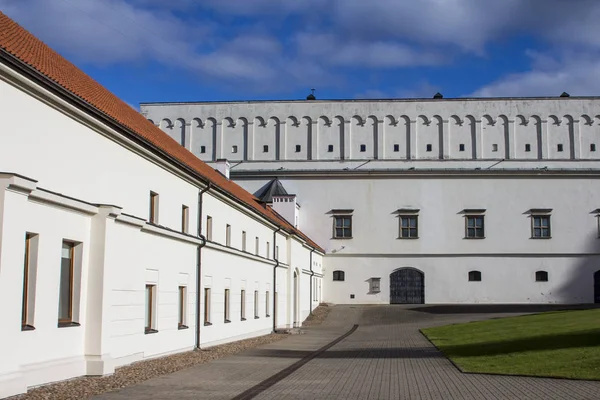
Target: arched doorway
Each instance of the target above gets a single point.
(407, 286)
(597, 287)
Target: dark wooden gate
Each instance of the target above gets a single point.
(597, 287)
(407, 286)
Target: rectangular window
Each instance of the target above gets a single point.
(243, 240)
(228, 235)
(428, 147)
(527, 147)
(592, 147)
(540, 226)
(208, 227)
(342, 226)
(243, 305)
(202, 149)
(154, 208)
(363, 148)
(474, 227)
(396, 148)
(226, 311)
(298, 148)
(65, 299)
(234, 149)
(494, 147)
(182, 297)
(29, 281)
(375, 285)
(150, 320)
(256, 246)
(256, 304)
(268, 250)
(207, 307)
(265, 149)
(185, 218)
(461, 147)
(409, 226)
(267, 312)
(559, 147)
(277, 252)
(330, 148)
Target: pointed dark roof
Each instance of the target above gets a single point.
(272, 188)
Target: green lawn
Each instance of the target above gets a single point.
(556, 344)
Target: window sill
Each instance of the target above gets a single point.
(374, 292)
(474, 238)
(227, 321)
(256, 317)
(180, 327)
(337, 280)
(408, 238)
(541, 238)
(243, 319)
(27, 328)
(268, 316)
(68, 324)
(150, 331)
(475, 281)
(207, 324)
(341, 238)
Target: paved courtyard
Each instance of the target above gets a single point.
(359, 352)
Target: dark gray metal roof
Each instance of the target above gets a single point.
(272, 188)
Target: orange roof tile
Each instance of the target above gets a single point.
(25, 47)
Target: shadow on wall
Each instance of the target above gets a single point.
(579, 287)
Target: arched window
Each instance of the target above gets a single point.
(338, 275)
(474, 276)
(541, 276)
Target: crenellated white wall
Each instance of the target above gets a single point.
(478, 124)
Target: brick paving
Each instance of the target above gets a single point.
(385, 358)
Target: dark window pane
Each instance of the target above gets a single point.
(66, 279)
(339, 232)
(338, 222)
(346, 221)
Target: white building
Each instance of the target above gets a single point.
(428, 200)
(116, 243)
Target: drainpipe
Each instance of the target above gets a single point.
(276, 258)
(199, 263)
(312, 273)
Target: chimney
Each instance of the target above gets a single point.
(223, 167)
(286, 206)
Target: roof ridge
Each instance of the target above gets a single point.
(29, 50)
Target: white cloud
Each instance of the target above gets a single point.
(578, 74)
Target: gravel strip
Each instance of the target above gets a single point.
(318, 315)
(86, 387)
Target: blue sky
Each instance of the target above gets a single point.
(203, 50)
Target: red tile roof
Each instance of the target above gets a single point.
(25, 47)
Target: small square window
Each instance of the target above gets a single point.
(429, 147)
(330, 148)
(559, 147)
(494, 147)
(396, 148)
(339, 275)
(363, 148)
(540, 226)
(342, 227)
(461, 147)
(234, 149)
(474, 276)
(202, 149)
(265, 149)
(541, 276)
(298, 148)
(593, 147)
(527, 147)
(474, 227)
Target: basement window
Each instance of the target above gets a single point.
(330, 148)
(265, 148)
(528, 147)
(559, 147)
(461, 147)
(593, 147)
(363, 148)
(429, 147)
(541, 276)
(298, 148)
(339, 276)
(202, 149)
(494, 147)
(396, 148)
(474, 276)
